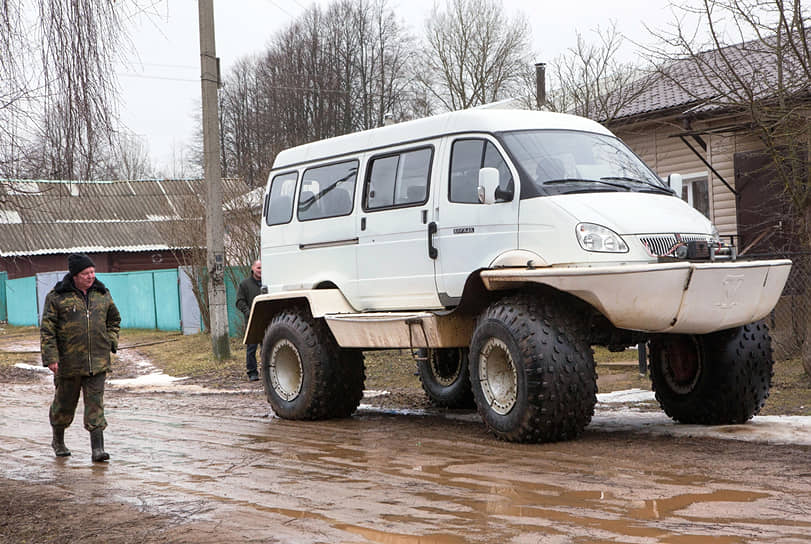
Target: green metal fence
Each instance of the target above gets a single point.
(21, 301)
(146, 300)
(3, 310)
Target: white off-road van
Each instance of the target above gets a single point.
(499, 246)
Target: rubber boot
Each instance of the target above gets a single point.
(97, 445)
(58, 442)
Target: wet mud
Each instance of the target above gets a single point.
(213, 466)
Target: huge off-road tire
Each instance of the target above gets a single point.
(719, 378)
(532, 375)
(445, 377)
(305, 374)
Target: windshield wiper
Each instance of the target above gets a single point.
(643, 181)
(602, 181)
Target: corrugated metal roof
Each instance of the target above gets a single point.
(40, 217)
(692, 84)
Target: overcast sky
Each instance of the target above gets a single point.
(161, 85)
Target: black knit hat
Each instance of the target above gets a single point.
(78, 262)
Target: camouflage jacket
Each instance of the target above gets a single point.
(79, 333)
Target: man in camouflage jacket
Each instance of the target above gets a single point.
(79, 330)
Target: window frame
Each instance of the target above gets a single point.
(397, 153)
(292, 198)
(301, 182)
(502, 155)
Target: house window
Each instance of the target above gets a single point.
(695, 191)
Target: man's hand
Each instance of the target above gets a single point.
(54, 367)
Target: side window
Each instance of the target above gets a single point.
(280, 199)
(327, 191)
(467, 158)
(398, 180)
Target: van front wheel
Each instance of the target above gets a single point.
(532, 376)
(305, 374)
(720, 378)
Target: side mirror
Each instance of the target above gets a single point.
(674, 181)
(488, 183)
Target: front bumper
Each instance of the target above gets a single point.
(683, 297)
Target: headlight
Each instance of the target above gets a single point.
(596, 238)
(716, 236)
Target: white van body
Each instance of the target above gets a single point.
(388, 238)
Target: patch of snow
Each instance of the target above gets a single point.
(146, 380)
(609, 417)
(768, 429)
(628, 395)
(35, 368)
(371, 393)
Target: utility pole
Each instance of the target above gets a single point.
(215, 227)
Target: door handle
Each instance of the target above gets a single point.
(432, 252)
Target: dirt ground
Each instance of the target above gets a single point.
(204, 460)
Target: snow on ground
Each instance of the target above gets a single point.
(35, 368)
(156, 378)
(627, 410)
(630, 411)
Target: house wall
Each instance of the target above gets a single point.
(18, 267)
(655, 142)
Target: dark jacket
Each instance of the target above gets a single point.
(247, 291)
(77, 332)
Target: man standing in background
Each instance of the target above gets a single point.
(248, 289)
(79, 330)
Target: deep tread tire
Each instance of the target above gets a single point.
(732, 378)
(305, 374)
(445, 377)
(551, 393)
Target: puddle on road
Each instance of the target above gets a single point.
(406, 476)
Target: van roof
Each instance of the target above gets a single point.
(472, 120)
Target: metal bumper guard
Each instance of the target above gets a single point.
(684, 297)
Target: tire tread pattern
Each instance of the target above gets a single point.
(559, 393)
(736, 378)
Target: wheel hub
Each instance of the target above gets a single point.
(498, 376)
(446, 367)
(683, 365)
(285, 370)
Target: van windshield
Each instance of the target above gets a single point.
(553, 162)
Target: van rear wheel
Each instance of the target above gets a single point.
(305, 374)
(532, 375)
(445, 376)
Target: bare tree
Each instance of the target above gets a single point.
(763, 84)
(764, 79)
(127, 158)
(330, 72)
(58, 85)
(473, 54)
(590, 81)
(186, 235)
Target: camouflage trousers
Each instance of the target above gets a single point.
(67, 396)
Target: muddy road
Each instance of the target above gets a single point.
(203, 466)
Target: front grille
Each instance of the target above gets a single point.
(660, 245)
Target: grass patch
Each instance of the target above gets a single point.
(10, 335)
(791, 390)
(188, 356)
